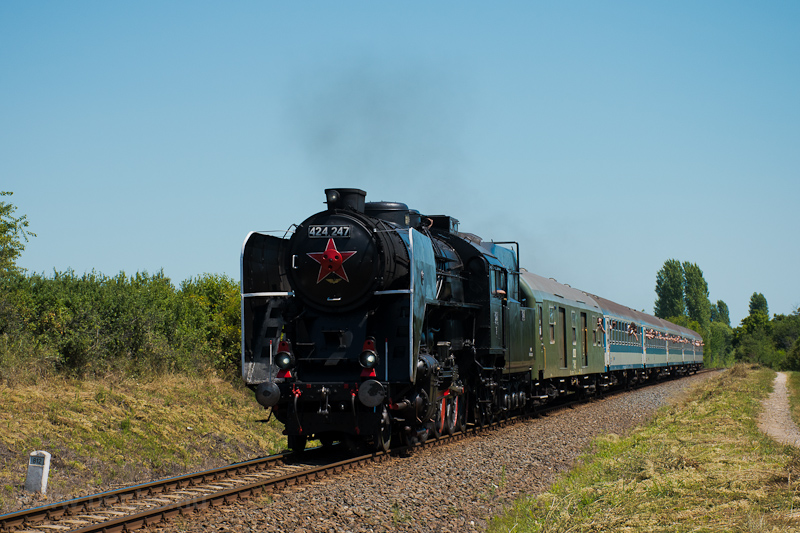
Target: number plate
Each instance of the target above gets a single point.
(321, 232)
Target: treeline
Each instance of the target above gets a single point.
(137, 325)
(93, 324)
(773, 342)
(682, 297)
(142, 324)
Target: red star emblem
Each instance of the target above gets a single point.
(331, 261)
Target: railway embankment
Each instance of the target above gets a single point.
(682, 455)
(455, 487)
(702, 464)
(112, 433)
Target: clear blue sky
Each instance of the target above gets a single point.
(605, 137)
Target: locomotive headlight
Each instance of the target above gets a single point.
(284, 360)
(368, 359)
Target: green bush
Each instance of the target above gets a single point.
(216, 300)
(140, 324)
(765, 341)
(718, 345)
(757, 347)
(793, 357)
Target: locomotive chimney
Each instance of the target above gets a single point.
(345, 199)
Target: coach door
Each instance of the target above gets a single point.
(584, 340)
(562, 341)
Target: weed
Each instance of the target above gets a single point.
(263, 500)
(398, 515)
(100, 396)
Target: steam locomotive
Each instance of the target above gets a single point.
(372, 323)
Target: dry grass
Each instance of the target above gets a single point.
(103, 434)
(701, 465)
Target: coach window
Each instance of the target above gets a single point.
(574, 329)
(596, 330)
(541, 332)
(552, 325)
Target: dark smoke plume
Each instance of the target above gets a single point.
(394, 131)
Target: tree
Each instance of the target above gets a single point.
(720, 313)
(793, 357)
(757, 347)
(754, 322)
(758, 303)
(695, 290)
(13, 231)
(785, 331)
(720, 341)
(761, 340)
(669, 290)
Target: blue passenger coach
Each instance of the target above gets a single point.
(581, 334)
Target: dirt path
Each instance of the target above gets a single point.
(776, 420)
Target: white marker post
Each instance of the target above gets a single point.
(38, 470)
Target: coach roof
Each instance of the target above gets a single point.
(549, 289)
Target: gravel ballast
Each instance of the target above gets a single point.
(457, 487)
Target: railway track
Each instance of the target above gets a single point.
(134, 507)
(146, 504)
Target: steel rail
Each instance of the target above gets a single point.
(185, 507)
(63, 511)
(93, 502)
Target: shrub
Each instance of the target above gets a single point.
(140, 324)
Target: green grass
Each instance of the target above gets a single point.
(701, 465)
(108, 433)
(794, 395)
